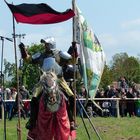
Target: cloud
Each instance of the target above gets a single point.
(109, 40)
(127, 41)
(132, 36)
(131, 24)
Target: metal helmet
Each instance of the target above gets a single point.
(49, 42)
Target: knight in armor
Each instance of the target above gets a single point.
(51, 60)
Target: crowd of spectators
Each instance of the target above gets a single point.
(126, 94)
(9, 95)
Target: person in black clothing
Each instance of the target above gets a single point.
(15, 107)
(123, 83)
(130, 103)
(24, 93)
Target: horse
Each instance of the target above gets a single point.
(52, 121)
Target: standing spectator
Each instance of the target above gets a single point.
(15, 107)
(12, 109)
(107, 91)
(135, 90)
(130, 103)
(13, 93)
(24, 96)
(137, 105)
(8, 104)
(123, 83)
(136, 94)
(113, 108)
(24, 93)
(81, 95)
(100, 94)
(7, 93)
(112, 92)
(123, 103)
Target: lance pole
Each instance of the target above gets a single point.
(17, 84)
(74, 56)
(2, 76)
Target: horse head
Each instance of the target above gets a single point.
(51, 93)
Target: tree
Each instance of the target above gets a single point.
(132, 69)
(28, 73)
(9, 73)
(106, 77)
(123, 65)
(117, 65)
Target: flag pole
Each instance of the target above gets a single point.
(17, 84)
(74, 20)
(74, 56)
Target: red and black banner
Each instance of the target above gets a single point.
(38, 13)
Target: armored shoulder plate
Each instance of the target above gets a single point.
(65, 55)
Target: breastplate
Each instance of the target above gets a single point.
(49, 64)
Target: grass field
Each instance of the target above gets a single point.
(108, 128)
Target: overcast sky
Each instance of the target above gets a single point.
(115, 22)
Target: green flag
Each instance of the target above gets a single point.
(91, 55)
